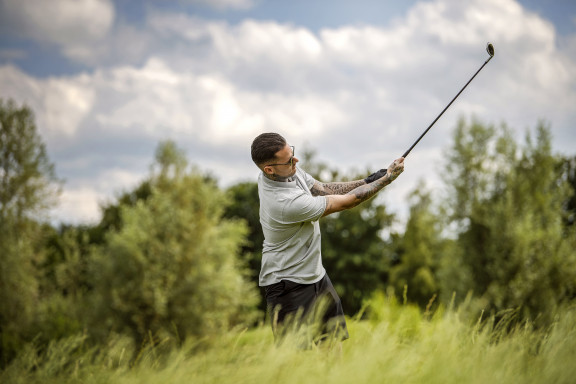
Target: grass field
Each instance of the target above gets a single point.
(397, 345)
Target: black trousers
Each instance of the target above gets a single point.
(305, 303)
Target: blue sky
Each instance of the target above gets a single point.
(357, 81)
(42, 60)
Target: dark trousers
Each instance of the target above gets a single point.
(296, 304)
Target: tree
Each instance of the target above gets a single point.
(111, 219)
(421, 248)
(172, 267)
(244, 204)
(568, 171)
(508, 205)
(28, 187)
(63, 284)
(28, 184)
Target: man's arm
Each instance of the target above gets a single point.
(338, 188)
(363, 192)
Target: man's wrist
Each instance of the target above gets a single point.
(375, 176)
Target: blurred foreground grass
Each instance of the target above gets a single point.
(397, 344)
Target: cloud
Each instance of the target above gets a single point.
(359, 95)
(60, 104)
(74, 26)
(222, 4)
(81, 201)
(78, 205)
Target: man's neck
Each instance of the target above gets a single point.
(279, 178)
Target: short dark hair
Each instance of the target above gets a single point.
(265, 146)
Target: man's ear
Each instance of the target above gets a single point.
(268, 170)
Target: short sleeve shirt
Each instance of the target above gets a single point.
(289, 216)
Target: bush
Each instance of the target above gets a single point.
(172, 269)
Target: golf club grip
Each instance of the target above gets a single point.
(444, 110)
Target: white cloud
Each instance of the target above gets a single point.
(78, 206)
(81, 201)
(72, 25)
(160, 102)
(60, 104)
(360, 95)
(222, 4)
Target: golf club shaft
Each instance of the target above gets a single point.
(441, 113)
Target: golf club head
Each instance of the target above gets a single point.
(490, 49)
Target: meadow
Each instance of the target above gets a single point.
(394, 343)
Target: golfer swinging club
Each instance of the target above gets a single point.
(291, 203)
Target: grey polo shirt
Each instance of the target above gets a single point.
(289, 216)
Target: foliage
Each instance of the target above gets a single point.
(568, 174)
(111, 219)
(420, 251)
(177, 259)
(397, 344)
(28, 187)
(18, 288)
(244, 204)
(28, 183)
(63, 284)
(171, 270)
(508, 203)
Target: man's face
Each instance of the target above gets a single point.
(286, 164)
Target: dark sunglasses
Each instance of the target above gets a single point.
(290, 161)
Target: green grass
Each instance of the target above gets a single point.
(398, 345)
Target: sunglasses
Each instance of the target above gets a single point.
(290, 161)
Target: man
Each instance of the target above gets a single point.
(291, 203)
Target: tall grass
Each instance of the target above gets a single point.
(398, 344)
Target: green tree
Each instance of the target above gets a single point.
(63, 284)
(172, 268)
(568, 171)
(508, 205)
(474, 172)
(111, 219)
(245, 205)
(28, 186)
(420, 249)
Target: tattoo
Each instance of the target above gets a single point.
(317, 190)
(354, 193)
(366, 191)
(325, 189)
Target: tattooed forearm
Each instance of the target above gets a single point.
(366, 191)
(362, 192)
(337, 203)
(324, 189)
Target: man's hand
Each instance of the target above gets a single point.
(375, 176)
(337, 203)
(396, 168)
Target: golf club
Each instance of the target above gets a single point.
(490, 50)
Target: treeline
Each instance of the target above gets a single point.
(178, 257)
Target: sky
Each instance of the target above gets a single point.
(355, 81)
